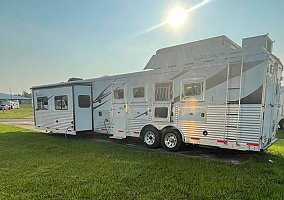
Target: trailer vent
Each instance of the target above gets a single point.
(74, 79)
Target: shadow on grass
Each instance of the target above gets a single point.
(211, 153)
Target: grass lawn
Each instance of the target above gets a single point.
(280, 134)
(41, 166)
(22, 112)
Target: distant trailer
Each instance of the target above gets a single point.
(13, 103)
(209, 92)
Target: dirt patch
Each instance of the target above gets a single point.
(26, 123)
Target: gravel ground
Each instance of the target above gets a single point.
(27, 123)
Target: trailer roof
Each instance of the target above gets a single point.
(220, 46)
(119, 76)
(192, 52)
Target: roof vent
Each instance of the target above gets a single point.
(74, 79)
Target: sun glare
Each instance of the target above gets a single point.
(177, 17)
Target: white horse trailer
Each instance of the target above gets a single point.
(209, 92)
(281, 109)
(64, 108)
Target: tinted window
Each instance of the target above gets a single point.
(84, 101)
(161, 112)
(118, 94)
(42, 103)
(61, 102)
(138, 92)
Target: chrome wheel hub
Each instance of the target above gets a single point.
(170, 140)
(149, 138)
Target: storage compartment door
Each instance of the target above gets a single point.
(83, 108)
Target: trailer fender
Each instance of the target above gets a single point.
(146, 126)
(172, 127)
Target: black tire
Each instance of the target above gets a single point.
(171, 140)
(151, 137)
(281, 124)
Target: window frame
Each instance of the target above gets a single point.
(61, 98)
(161, 107)
(117, 99)
(200, 97)
(154, 90)
(139, 97)
(42, 104)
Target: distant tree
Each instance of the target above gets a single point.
(26, 94)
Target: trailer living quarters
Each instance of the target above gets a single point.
(209, 92)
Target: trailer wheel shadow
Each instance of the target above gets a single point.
(205, 152)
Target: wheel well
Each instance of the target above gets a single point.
(172, 127)
(147, 126)
(168, 127)
(280, 121)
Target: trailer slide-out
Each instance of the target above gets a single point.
(209, 92)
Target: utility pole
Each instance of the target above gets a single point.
(10, 94)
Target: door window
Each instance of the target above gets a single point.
(84, 101)
(118, 94)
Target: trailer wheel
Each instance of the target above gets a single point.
(151, 137)
(171, 140)
(281, 124)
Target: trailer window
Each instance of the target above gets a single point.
(163, 91)
(61, 102)
(42, 103)
(161, 112)
(138, 92)
(118, 94)
(84, 101)
(192, 90)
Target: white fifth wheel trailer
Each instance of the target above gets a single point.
(209, 92)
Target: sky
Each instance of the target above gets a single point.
(43, 42)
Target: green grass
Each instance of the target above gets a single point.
(41, 166)
(22, 112)
(280, 134)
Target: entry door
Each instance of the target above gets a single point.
(162, 104)
(269, 109)
(83, 107)
(119, 109)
